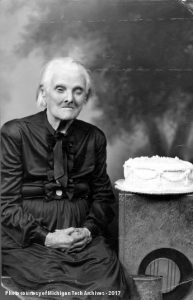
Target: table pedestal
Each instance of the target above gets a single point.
(158, 229)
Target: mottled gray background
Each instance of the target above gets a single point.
(141, 55)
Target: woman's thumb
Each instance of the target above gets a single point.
(69, 230)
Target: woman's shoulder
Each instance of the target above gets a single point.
(11, 128)
(90, 127)
(15, 127)
(93, 130)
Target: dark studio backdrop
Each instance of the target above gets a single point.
(140, 53)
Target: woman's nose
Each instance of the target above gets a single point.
(68, 97)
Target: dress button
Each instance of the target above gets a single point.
(59, 192)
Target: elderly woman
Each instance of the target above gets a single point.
(56, 194)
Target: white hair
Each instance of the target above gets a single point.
(51, 68)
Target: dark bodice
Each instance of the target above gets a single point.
(28, 175)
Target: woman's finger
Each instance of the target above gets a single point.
(69, 230)
(79, 244)
(77, 237)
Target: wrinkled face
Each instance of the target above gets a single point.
(65, 94)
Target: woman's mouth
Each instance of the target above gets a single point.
(67, 107)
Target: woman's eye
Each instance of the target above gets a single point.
(78, 91)
(60, 89)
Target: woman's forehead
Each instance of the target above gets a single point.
(69, 74)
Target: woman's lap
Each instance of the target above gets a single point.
(96, 268)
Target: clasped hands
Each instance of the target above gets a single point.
(69, 240)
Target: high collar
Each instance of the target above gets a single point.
(64, 127)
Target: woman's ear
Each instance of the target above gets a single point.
(42, 91)
(85, 99)
(41, 97)
(88, 95)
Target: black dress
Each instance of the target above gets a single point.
(33, 204)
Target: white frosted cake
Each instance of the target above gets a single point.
(157, 175)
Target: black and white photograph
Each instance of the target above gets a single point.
(96, 149)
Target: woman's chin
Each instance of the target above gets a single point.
(67, 116)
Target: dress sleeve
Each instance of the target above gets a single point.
(101, 213)
(19, 225)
